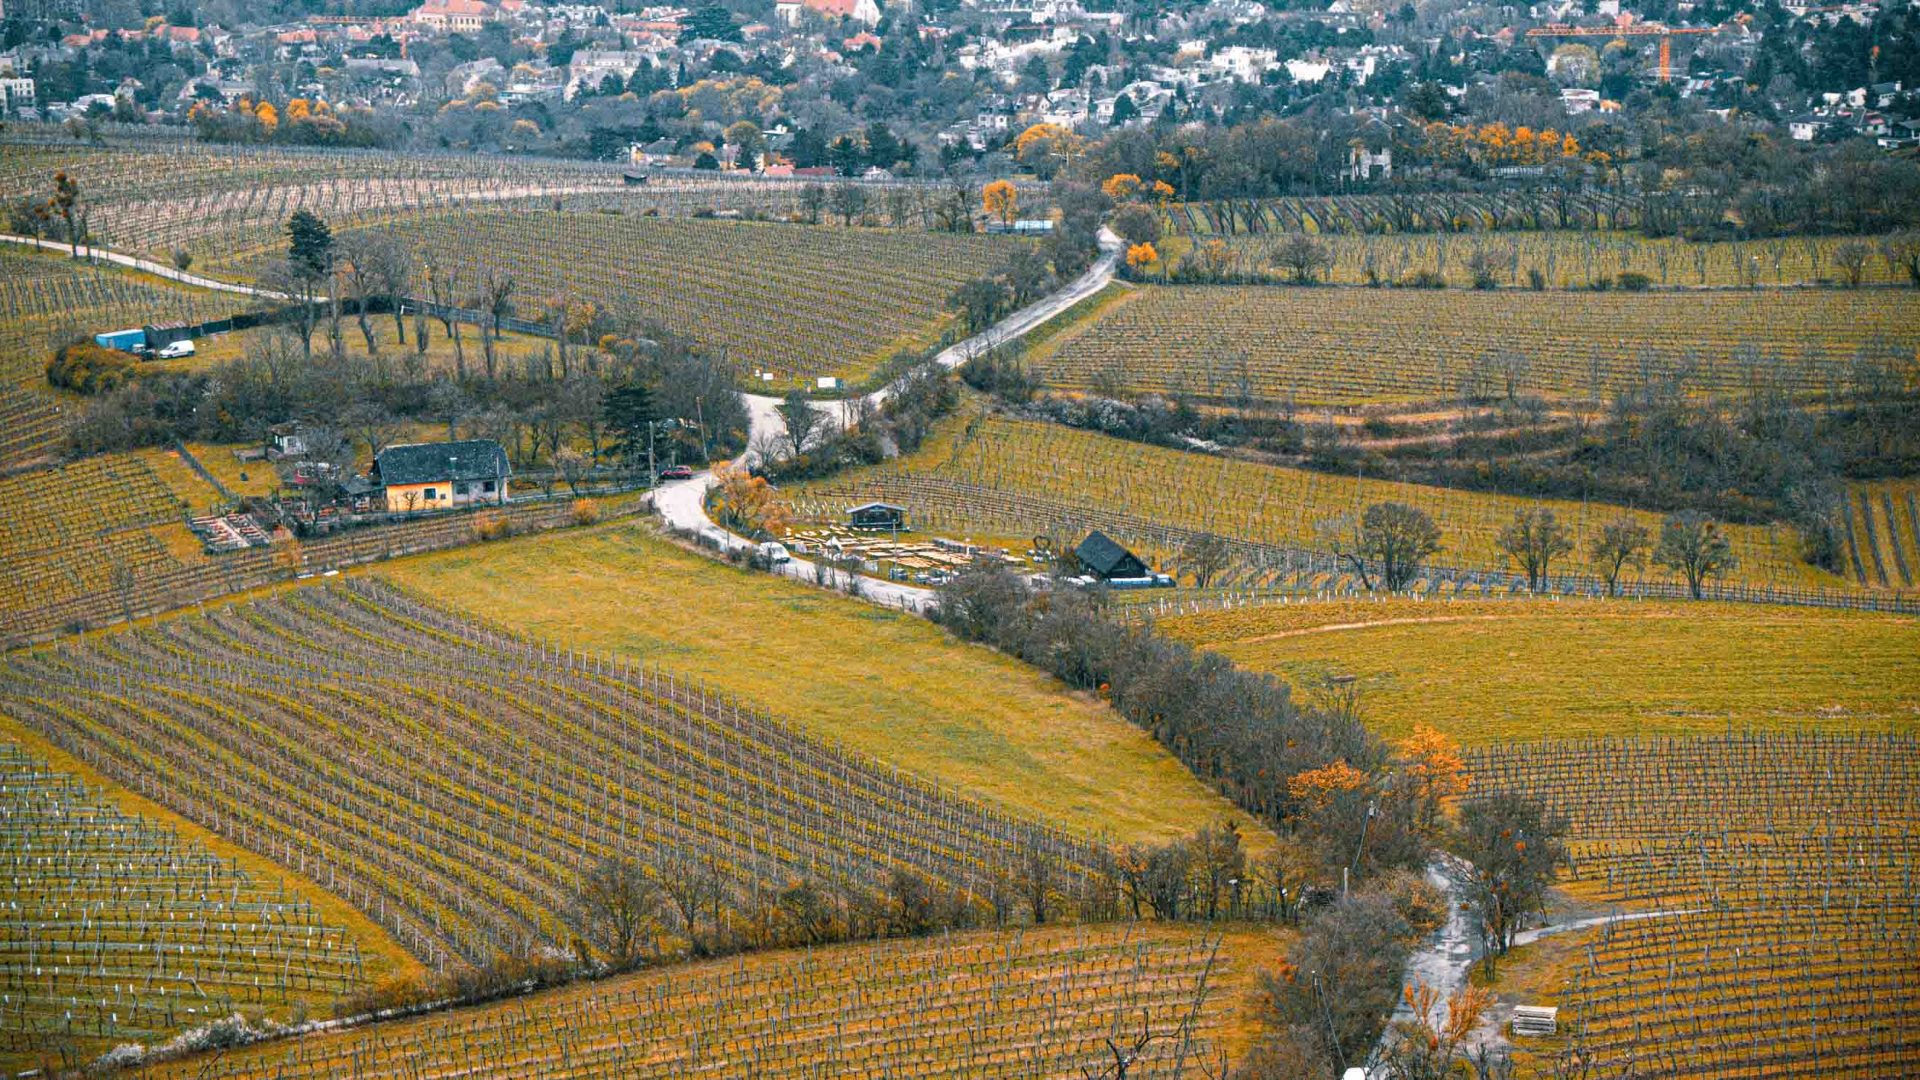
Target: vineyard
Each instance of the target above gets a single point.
(47, 299)
(117, 928)
(1883, 534)
(1038, 1003)
(796, 301)
(452, 781)
(1793, 858)
(1497, 671)
(1342, 347)
(1564, 260)
(1011, 477)
(887, 684)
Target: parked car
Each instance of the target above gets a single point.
(775, 553)
(677, 472)
(175, 350)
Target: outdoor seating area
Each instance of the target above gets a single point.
(932, 555)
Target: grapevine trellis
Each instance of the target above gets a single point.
(452, 781)
(1023, 1004)
(111, 510)
(1881, 529)
(1572, 260)
(1012, 477)
(114, 927)
(1339, 346)
(1791, 864)
(791, 300)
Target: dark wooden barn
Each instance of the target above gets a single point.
(1104, 559)
(879, 516)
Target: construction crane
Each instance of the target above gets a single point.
(1627, 29)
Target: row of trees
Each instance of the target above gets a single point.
(1386, 545)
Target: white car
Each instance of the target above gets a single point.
(774, 553)
(175, 350)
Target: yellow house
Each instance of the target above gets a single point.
(441, 476)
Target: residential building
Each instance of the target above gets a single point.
(443, 475)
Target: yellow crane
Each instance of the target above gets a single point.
(1625, 30)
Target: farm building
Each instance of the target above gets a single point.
(439, 476)
(877, 515)
(1101, 557)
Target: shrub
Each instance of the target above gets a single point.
(1424, 279)
(585, 511)
(492, 525)
(1633, 281)
(86, 368)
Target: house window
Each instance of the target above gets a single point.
(487, 487)
(432, 494)
(460, 488)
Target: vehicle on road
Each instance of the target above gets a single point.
(677, 472)
(774, 553)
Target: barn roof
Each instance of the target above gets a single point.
(877, 506)
(1100, 554)
(424, 463)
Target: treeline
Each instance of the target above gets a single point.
(1349, 807)
(1690, 175)
(533, 409)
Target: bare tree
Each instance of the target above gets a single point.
(1621, 543)
(694, 888)
(616, 907)
(1533, 539)
(1205, 555)
(1696, 546)
(801, 420)
(1852, 257)
(1393, 536)
(1306, 257)
(849, 201)
(496, 303)
(443, 284)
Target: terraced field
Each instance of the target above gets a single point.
(453, 782)
(793, 300)
(1344, 347)
(117, 927)
(1498, 671)
(1015, 478)
(1794, 949)
(1035, 1004)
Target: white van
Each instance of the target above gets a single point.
(775, 553)
(175, 350)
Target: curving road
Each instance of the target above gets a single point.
(135, 262)
(683, 503)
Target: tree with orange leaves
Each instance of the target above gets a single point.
(1316, 789)
(1433, 1042)
(1431, 771)
(747, 504)
(1141, 256)
(268, 116)
(1000, 199)
(1121, 187)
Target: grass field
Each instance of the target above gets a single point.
(1061, 468)
(887, 684)
(1038, 1003)
(1497, 671)
(126, 922)
(1346, 346)
(797, 301)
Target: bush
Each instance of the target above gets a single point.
(86, 368)
(493, 525)
(585, 511)
(1424, 279)
(1601, 283)
(1633, 281)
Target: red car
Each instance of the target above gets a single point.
(677, 472)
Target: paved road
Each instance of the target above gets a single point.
(683, 503)
(149, 266)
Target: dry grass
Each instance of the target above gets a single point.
(888, 684)
(1505, 670)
